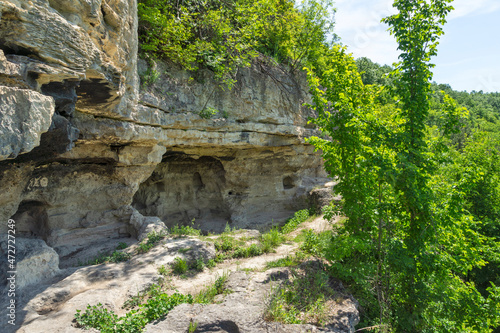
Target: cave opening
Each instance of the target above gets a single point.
(183, 188)
(288, 183)
(32, 220)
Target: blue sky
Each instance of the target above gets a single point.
(468, 54)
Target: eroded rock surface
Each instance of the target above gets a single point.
(24, 116)
(50, 306)
(35, 261)
(242, 310)
(89, 156)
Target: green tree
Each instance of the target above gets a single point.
(373, 73)
(225, 36)
(408, 244)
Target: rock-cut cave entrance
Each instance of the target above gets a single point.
(32, 220)
(183, 188)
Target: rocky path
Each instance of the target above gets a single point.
(53, 304)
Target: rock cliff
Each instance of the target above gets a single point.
(87, 151)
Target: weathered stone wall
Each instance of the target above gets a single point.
(247, 165)
(60, 59)
(83, 146)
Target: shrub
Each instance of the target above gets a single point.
(211, 263)
(198, 264)
(271, 239)
(293, 222)
(208, 113)
(134, 321)
(254, 250)
(225, 243)
(96, 316)
(160, 306)
(208, 294)
(226, 35)
(179, 266)
(152, 239)
(316, 244)
(185, 230)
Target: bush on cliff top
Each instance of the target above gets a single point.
(226, 35)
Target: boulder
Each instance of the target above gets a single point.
(24, 116)
(34, 259)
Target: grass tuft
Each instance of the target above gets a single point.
(179, 266)
(207, 295)
(151, 241)
(303, 299)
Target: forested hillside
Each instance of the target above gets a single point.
(417, 163)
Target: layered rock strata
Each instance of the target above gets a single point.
(86, 150)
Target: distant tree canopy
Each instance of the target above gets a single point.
(373, 73)
(484, 108)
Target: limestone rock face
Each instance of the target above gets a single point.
(24, 116)
(59, 59)
(93, 41)
(35, 261)
(89, 154)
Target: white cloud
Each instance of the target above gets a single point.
(460, 61)
(359, 27)
(473, 7)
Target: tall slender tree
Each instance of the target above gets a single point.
(417, 27)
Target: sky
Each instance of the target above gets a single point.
(468, 54)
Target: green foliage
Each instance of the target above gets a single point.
(185, 230)
(207, 295)
(211, 263)
(160, 306)
(134, 321)
(225, 243)
(96, 316)
(408, 247)
(473, 177)
(192, 327)
(162, 270)
(229, 247)
(114, 257)
(316, 244)
(179, 266)
(198, 265)
(226, 35)
(483, 108)
(293, 222)
(302, 299)
(151, 241)
(271, 239)
(208, 113)
(288, 261)
(121, 246)
(247, 252)
(373, 73)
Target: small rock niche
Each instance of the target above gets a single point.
(32, 220)
(288, 183)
